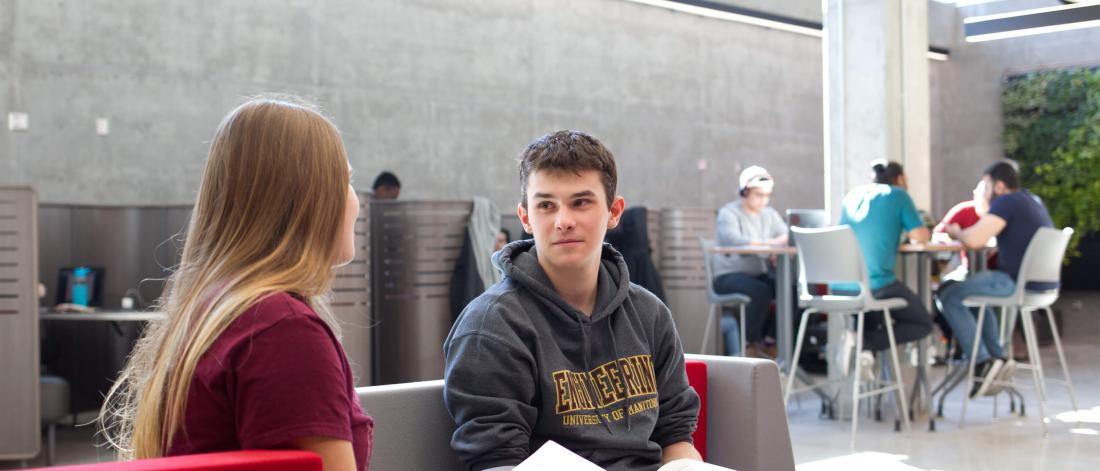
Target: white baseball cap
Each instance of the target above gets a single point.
(756, 177)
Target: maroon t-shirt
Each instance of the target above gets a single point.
(275, 375)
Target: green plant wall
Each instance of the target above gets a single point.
(1052, 128)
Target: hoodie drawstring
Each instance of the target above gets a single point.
(622, 375)
(588, 379)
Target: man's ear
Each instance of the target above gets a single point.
(522, 213)
(617, 208)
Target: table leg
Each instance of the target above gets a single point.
(785, 312)
(924, 292)
(785, 320)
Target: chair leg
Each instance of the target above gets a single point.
(742, 341)
(900, 392)
(1036, 368)
(711, 320)
(792, 368)
(1006, 333)
(1062, 359)
(51, 444)
(855, 379)
(974, 349)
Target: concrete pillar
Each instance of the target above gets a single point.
(876, 106)
(876, 94)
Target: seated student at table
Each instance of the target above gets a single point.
(880, 213)
(749, 221)
(249, 356)
(1014, 216)
(565, 347)
(964, 214)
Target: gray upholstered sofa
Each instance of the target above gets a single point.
(746, 422)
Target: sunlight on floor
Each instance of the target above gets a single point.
(864, 460)
(1091, 416)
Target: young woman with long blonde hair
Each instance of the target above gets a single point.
(249, 356)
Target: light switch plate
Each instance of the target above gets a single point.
(102, 126)
(18, 121)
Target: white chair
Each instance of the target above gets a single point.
(717, 301)
(1042, 263)
(832, 255)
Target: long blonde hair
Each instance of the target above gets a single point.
(268, 219)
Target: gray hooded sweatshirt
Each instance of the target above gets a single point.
(523, 366)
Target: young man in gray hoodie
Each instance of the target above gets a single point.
(565, 348)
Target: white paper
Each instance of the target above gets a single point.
(685, 464)
(554, 457)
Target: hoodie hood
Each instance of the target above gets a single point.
(519, 262)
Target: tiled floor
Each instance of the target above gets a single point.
(1003, 444)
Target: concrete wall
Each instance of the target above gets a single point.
(443, 93)
(447, 93)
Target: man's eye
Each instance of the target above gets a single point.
(545, 205)
(581, 203)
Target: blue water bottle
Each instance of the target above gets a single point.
(81, 285)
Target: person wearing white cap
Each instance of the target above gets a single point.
(749, 221)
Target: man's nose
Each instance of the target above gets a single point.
(565, 221)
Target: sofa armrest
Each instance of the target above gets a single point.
(746, 420)
(246, 460)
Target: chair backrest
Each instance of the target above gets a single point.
(829, 255)
(1042, 262)
(809, 218)
(708, 246)
(412, 428)
(697, 378)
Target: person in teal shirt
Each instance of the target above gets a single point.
(880, 213)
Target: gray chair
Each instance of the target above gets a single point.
(810, 218)
(1042, 263)
(54, 402)
(832, 255)
(718, 301)
(746, 427)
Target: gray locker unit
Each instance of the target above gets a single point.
(414, 246)
(681, 266)
(351, 301)
(20, 427)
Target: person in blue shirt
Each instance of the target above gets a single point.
(1014, 216)
(880, 214)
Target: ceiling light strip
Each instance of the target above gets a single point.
(743, 15)
(1032, 22)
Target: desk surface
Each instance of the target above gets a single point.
(757, 250)
(110, 316)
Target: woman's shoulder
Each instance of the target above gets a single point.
(272, 314)
(278, 307)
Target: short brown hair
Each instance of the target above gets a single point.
(568, 151)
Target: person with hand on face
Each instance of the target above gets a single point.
(1014, 216)
(964, 214)
(749, 221)
(565, 347)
